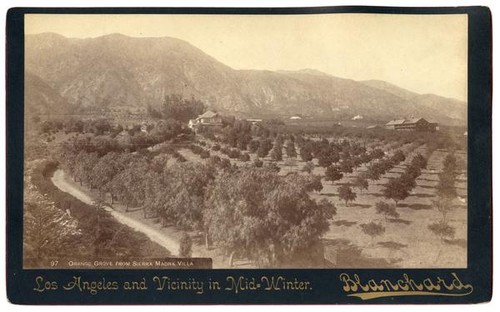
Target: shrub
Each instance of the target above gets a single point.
(234, 153)
(272, 166)
(225, 163)
(179, 157)
(442, 230)
(216, 147)
(245, 157)
(387, 210)
(361, 183)
(253, 146)
(258, 163)
(196, 149)
(346, 193)
(373, 229)
(214, 160)
(398, 157)
(308, 167)
(333, 174)
(205, 154)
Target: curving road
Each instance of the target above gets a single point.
(172, 245)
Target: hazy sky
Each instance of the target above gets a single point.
(422, 53)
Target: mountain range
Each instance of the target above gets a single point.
(120, 73)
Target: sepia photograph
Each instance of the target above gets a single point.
(245, 141)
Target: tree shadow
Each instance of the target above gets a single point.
(427, 186)
(374, 194)
(422, 195)
(344, 223)
(415, 206)
(359, 205)
(460, 242)
(342, 253)
(392, 245)
(132, 209)
(329, 194)
(399, 221)
(427, 179)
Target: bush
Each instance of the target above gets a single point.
(205, 154)
(216, 147)
(258, 163)
(196, 149)
(308, 167)
(398, 157)
(253, 146)
(442, 230)
(244, 157)
(234, 154)
(214, 160)
(373, 229)
(272, 166)
(387, 210)
(225, 163)
(346, 193)
(179, 157)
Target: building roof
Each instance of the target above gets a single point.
(208, 114)
(413, 120)
(395, 122)
(410, 121)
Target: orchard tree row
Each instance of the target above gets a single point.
(245, 212)
(103, 144)
(446, 193)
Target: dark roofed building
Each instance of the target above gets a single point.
(393, 123)
(206, 120)
(413, 124)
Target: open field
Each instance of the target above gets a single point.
(407, 242)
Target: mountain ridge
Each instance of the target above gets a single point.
(455, 108)
(121, 72)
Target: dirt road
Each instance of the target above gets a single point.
(62, 182)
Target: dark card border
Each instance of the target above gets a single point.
(327, 287)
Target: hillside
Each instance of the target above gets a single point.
(454, 108)
(451, 107)
(120, 73)
(391, 88)
(41, 99)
